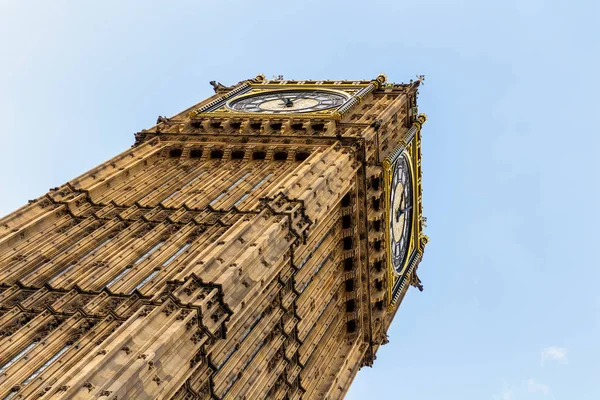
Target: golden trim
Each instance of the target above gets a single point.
(417, 240)
(225, 112)
(328, 114)
(287, 89)
(379, 81)
(288, 86)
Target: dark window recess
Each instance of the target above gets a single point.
(376, 204)
(235, 125)
(346, 221)
(318, 127)
(379, 305)
(280, 155)
(276, 126)
(377, 225)
(346, 200)
(237, 154)
(348, 264)
(379, 285)
(378, 265)
(349, 285)
(259, 155)
(256, 125)
(348, 243)
(297, 126)
(302, 155)
(375, 183)
(350, 305)
(196, 153)
(175, 153)
(216, 153)
(377, 245)
(351, 326)
(215, 125)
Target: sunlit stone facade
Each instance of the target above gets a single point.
(239, 250)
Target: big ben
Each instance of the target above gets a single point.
(256, 245)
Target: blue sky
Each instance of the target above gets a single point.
(510, 309)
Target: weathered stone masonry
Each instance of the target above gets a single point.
(225, 258)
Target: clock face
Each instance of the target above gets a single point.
(288, 101)
(401, 212)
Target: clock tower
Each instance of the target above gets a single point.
(255, 245)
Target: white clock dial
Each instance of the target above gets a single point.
(401, 213)
(288, 101)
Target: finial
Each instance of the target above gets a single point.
(421, 79)
(259, 78)
(379, 81)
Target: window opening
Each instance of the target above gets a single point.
(181, 250)
(351, 325)
(195, 153)
(346, 200)
(142, 283)
(302, 155)
(237, 154)
(346, 221)
(219, 197)
(70, 267)
(177, 190)
(119, 276)
(315, 249)
(149, 252)
(193, 180)
(228, 189)
(315, 272)
(348, 243)
(175, 153)
(263, 180)
(349, 285)
(169, 196)
(350, 305)
(46, 364)
(216, 154)
(280, 156)
(17, 357)
(240, 200)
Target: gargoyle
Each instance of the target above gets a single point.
(161, 119)
(218, 87)
(416, 282)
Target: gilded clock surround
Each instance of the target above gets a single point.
(355, 91)
(397, 281)
(338, 97)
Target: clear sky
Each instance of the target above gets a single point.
(511, 304)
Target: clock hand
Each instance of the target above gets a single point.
(399, 209)
(400, 212)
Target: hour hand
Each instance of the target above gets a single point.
(400, 212)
